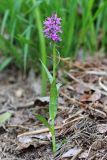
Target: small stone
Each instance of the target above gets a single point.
(19, 93)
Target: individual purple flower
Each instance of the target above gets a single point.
(52, 28)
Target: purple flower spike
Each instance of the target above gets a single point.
(52, 28)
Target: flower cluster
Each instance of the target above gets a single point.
(52, 28)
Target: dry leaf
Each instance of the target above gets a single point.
(26, 141)
(95, 96)
(102, 128)
(71, 152)
(84, 97)
(80, 88)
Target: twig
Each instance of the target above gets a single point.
(39, 131)
(44, 130)
(73, 116)
(74, 120)
(99, 73)
(104, 157)
(18, 126)
(102, 85)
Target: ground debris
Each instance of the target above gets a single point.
(80, 123)
(72, 152)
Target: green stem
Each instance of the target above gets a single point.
(54, 61)
(54, 77)
(53, 137)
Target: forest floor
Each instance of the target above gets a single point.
(81, 122)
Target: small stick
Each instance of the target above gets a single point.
(44, 130)
(102, 85)
(77, 114)
(74, 120)
(99, 73)
(19, 126)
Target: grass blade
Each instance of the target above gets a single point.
(26, 47)
(70, 30)
(4, 64)
(3, 25)
(42, 45)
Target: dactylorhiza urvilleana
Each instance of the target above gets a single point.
(52, 29)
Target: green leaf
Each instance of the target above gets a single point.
(26, 46)
(4, 117)
(4, 21)
(47, 72)
(4, 64)
(50, 76)
(44, 121)
(53, 105)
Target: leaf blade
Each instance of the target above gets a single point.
(4, 117)
(5, 63)
(47, 72)
(43, 120)
(53, 100)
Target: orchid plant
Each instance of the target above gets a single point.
(52, 28)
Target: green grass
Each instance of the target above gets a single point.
(42, 45)
(21, 26)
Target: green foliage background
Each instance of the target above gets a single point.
(22, 41)
(83, 23)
